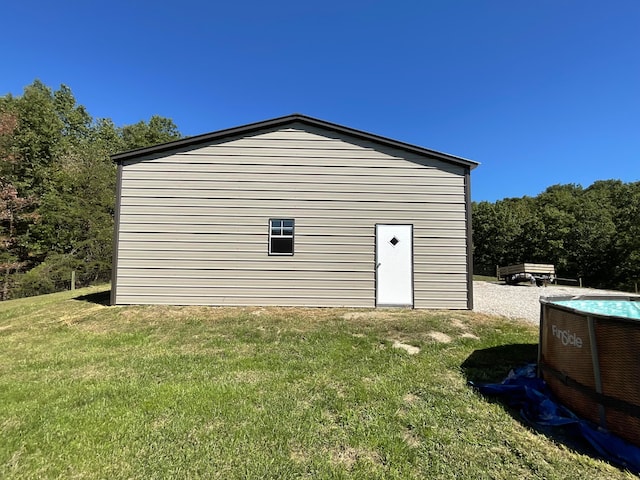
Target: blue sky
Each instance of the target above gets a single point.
(540, 92)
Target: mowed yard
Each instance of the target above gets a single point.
(91, 391)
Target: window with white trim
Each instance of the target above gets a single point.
(281, 236)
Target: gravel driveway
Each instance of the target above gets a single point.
(519, 301)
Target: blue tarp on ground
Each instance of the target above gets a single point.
(524, 391)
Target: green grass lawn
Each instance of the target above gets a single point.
(90, 391)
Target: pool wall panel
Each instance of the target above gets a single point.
(592, 365)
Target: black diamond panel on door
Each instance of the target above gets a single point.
(394, 241)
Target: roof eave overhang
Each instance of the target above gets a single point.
(280, 121)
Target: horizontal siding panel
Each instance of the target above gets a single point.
(273, 151)
(168, 180)
(245, 301)
(439, 289)
(303, 205)
(217, 232)
(187, 206)
(200, 160)
(388, 216)
(440, 269)
(257, 292)
(439, 277)
(296, 136)
(308, 192)
(149, 275)
(169, 250)
(267, 263)
(429, 236)
(306, 137)
(249, 243)
(244, 255)
(277, 170)
(243, 285)
(193, 215)
(290, 142)
(452, 294)
(137, 223)
(442, 304)
(279, 176)
(358, 236)
(269, 151)
(336, 156)
(433, 265)
(440, 263)
(218, 222)
(226, 233)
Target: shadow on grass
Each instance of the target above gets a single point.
(492, 365)
(99, 298)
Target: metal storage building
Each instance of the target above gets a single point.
(292, 211)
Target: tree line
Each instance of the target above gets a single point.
(591, 233)
(57, 200)
(57, 187)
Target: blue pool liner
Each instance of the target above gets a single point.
(524, 391)
(610, 307)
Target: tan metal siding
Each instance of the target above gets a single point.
(194, 224)
(320, 214)
(212, 189)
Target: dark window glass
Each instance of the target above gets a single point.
(281, 245)
(281, 232)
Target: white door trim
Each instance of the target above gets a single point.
(394, 265)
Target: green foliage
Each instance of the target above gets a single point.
(52, 275)
(57, 188)
(591, 233)
(141, 134)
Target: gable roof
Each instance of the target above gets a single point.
(282, 121)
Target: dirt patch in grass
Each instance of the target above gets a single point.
(410, 398)
(347, 456)
(410, 349)
(410, 438)
(298, 455)
(469, 335)
(372, 314)
(439, 337)
(457, 323)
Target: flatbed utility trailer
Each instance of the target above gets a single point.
(537, 273)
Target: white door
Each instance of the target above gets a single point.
(394, 265)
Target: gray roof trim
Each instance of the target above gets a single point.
(280, 121)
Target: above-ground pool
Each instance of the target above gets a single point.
(589, 355)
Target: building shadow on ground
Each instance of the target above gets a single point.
(493, 364)
(99, 298)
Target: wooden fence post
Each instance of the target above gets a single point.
(73, 279)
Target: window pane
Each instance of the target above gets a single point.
(276, 227)
(287, 227)
(282, 245)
